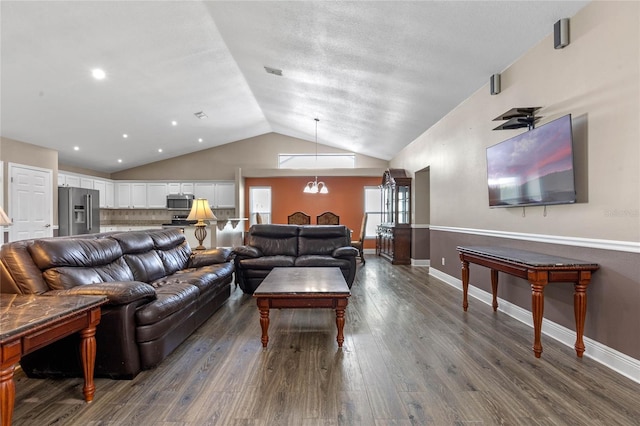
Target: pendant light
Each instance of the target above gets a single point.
(315, 187)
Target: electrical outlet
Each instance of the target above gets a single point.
(443, 261)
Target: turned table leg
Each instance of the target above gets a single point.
(263, 306)
(465, 283)
(88, 355)
(580, 309)
(7, 395)
(494, 289)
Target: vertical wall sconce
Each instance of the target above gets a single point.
(561, 33)
(494, 84)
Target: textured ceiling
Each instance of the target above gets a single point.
(377, 74)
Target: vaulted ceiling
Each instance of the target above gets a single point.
(376, 74)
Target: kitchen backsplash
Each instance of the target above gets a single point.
(150, 216)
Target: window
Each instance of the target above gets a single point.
(313, 161)
(259, 202)
(372, 206)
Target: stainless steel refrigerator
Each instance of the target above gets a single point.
(78, 211)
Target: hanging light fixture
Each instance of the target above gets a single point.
(315, 187)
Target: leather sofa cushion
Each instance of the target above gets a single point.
(322, 240)
(18, 273)
(267, 262)
(319, 260)
(65, 277)
(51, 253)
(146, 267)
(274, 240)
(133, 242)
(169, 299)
(206, 276)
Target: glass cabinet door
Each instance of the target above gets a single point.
(403, 204)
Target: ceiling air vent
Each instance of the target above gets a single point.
(200, 114)
(273, 71)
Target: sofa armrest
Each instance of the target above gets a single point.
(247, 251)
(209, 257)
(345, 252)
(118, 292)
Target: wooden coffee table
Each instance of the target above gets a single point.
(29, 322)
(303, 288)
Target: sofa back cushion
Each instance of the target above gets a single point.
(172, 249)
(70, 262)
(274, 240)
(322, 239)
(139, 254)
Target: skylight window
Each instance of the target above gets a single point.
(319, 161)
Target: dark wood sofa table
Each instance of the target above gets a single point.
(539, 269)
(30, 322)
(303, 287)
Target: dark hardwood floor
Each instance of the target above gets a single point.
(411, 356)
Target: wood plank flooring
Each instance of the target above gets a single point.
(411, 356)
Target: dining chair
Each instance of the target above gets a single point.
(359, 244)
(328, 218)
(299, 218)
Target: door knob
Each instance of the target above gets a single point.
(48, 225)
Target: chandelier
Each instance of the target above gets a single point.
(315, 187)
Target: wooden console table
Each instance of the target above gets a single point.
(539, 269)
(30, 322)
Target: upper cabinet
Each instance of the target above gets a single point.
(157, 195)
(151, 194)
(225, 195)
(219, 194)
(131, 195)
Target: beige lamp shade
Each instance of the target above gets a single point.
(4, 219)
(201, 211)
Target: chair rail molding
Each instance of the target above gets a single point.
(627, 246)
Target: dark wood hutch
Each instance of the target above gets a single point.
(393, 236)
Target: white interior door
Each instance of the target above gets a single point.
(30, 202)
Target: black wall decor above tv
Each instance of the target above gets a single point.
(533, 168)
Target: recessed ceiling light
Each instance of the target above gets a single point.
(119, 160)
(76, 148)
(125, 135)
(274, 71)
(98, 74)
(174, 123)
(199, 139)
(159, 149)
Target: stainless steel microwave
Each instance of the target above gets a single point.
(180, 201)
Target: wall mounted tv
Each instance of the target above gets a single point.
(533, 168)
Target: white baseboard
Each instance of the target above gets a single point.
(617, 361)
(421, 262)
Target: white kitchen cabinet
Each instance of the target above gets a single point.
(131, 195)
(157, 195)
(219, 194)
(70, 180)
(61, 179)
(86, 183)
(225, 195)
(205, 190)
(106, 192)
(180, 188)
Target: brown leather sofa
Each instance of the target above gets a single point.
(159, 292)
(269, 246)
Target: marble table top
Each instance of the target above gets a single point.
(305, 280)
(525, 257)
(19, 313)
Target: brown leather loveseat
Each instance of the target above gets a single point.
(159, 292)
(269, 246)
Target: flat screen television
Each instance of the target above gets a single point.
(533, 168)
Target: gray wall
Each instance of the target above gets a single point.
(596, 79)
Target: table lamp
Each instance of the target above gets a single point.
(201, 211)
(4, 219)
